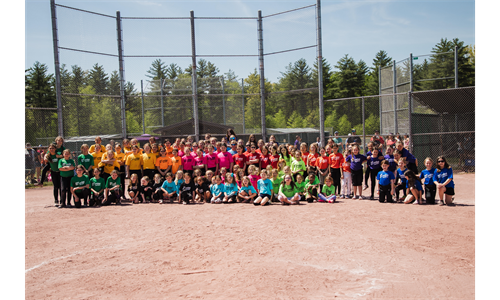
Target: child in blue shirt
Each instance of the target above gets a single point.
(265, 186)
(401, 176)
(247, 191)
(427, 175)
(443, 179)
(385, 183)
(217, 190)
(230, 189)
(414, 188)
(169, 188)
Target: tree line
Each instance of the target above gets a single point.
(91, 104)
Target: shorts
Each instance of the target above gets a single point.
(450, 191)
(357, 177)
(265, 195)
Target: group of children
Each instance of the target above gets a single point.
(254, 172)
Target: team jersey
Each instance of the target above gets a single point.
(298, 165)
(315, 181)
(187, 162)
(308, 188)
(408, 156)
(253, 180)
(264, 161)
(265, 186)
(212, 160)
(385, 177)
(87, 161)
(401, 175)
(119, 157)
(374, 163)
(200, 161)
(312, 159)
(187, 187)
(54, 163)
(301, 187)
(322, 162)
(356, 161)
(240, 160)
(170, 187)
(418, 185)
(176, 163)
(163, 162)
(249, 188)
(276, 184)
(77, 182)
(202, 188)
(336, 160)
(328, 190)
(274, 159)
(304, 156)
(428, 176)
(179, 182)
(287, 190)
(231, 188)
(97, 159)
(97, 184)
(111, 183)
(148, 161)
(169, 150)
(216, 189)
(393, 165)
(134, 161)
(346, 166)
(288, 160)
(253, 156)
(66, 163)
(225, 160)
(108, 168)
(180, 153)
(442, 176)
(59, 151)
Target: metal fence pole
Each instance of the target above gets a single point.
(243, 103)
(262, 79)
(380, 98)
(411, 72)
(194, 84)
(57, 70)
(161, 100)
(320, 74)
(394, 90)
(410, 131)
(143, 120)
(121, 73)
(223, 99)
(456, 66)
(363, 116)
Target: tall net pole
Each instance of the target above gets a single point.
(320, 74)
(194, 81)
(121, 73)
(262, 79)
(57, 70)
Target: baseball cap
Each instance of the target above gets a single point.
(353, 130)
(336, 132)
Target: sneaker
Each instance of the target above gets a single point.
(160, 201)
(441, 203)
(371, 198)
(365, 187)
(341, 197)
(360, 198)
(184, 202)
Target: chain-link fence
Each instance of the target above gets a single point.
(443, 123)
(438, 122)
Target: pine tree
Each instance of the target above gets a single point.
(39, 87)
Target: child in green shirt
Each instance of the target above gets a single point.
(97, 184)
(312, 188)
(328, 191)
(80, 187)
(288, 192)
(301, 187)
(298, 166)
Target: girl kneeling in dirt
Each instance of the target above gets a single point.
(288, 192)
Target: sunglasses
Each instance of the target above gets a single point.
(440, 161)
(233, 144)
(163, 151)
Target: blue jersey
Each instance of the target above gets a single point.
(401, 175)
(408, 156)
(216, 189)
(170, 187)
(418, 185)
(385, 177)
(428, 176)
(248, 189)
(265, 186)
(230, 188)
(442, 176)
(374, 163)
(393, 165)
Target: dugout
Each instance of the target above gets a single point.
(443, 123)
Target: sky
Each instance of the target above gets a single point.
(357, 28)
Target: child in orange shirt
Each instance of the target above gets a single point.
(336, 160)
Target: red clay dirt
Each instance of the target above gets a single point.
(357, 249)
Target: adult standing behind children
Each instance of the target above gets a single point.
(338, 140)
(353, 139)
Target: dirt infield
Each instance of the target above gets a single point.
(352, 249)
